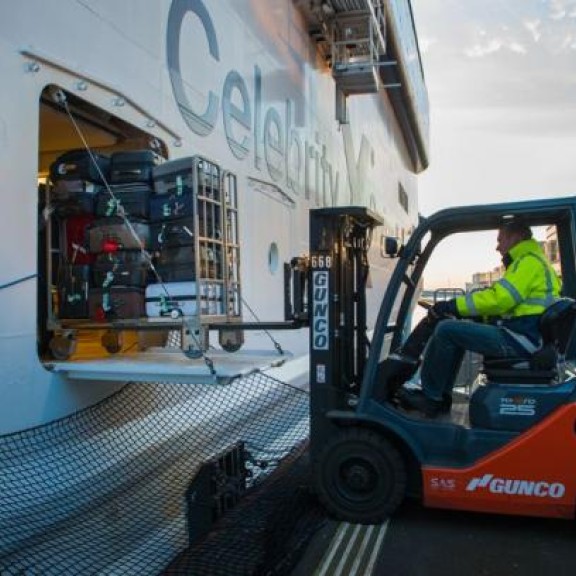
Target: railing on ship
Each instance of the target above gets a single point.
(404, 31)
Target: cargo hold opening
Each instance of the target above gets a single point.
(137, 255)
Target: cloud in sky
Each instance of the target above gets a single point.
(533, 26)
(499, 53)
(501, 77)
(560, 9)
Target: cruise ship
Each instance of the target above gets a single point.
(273, 108)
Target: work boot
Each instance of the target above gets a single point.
(415, 399)
(394, 371)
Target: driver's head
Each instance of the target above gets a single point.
(510, 234)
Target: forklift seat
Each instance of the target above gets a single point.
(557, 326)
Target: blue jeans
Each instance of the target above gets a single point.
(446, 348)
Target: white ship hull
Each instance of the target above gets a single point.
(238, 84)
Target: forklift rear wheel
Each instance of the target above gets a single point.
(360, 476)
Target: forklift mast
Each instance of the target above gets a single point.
(339, 243)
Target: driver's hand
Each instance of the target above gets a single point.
(444, 309)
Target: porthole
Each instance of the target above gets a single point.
(273, 258)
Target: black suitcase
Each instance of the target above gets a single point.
(172, 233)
(171, 206)
(210, 220)
(116, 303)
(111, 234)
(64, 189)
(176, 264)
(74, 197)
(73, 286)
(174, 178)
(132, 200)
(122, 268)
(76, 205)
(209, 183)
(182, 272)
(133, 166)
(80, 165)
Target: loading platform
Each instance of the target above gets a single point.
(170, 365)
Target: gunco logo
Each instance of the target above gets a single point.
(320, 310)
(517, 487)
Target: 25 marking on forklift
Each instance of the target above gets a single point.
(517, 406)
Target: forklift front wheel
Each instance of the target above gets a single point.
(360, 476)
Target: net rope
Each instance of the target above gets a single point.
(103, 491)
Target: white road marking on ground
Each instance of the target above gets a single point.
(355, 548)
(360, 556)
(376, 548)
(346, 554)
(334, 545)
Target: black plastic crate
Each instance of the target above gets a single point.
(216, 489)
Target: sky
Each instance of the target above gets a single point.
(501, 77)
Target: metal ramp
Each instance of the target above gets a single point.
(165, 365)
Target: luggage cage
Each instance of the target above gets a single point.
(214, 272)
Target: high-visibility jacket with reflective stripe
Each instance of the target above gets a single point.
(528, 287)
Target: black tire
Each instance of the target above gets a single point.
(360, 477)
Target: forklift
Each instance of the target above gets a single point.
(508, 448)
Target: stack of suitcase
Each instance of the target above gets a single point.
(120, 238)
(109, 231)
(77, 181)
(173, 213)
(104, 271)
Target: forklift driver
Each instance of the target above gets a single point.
(509, 311)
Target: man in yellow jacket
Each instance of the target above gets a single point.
(509, 311)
